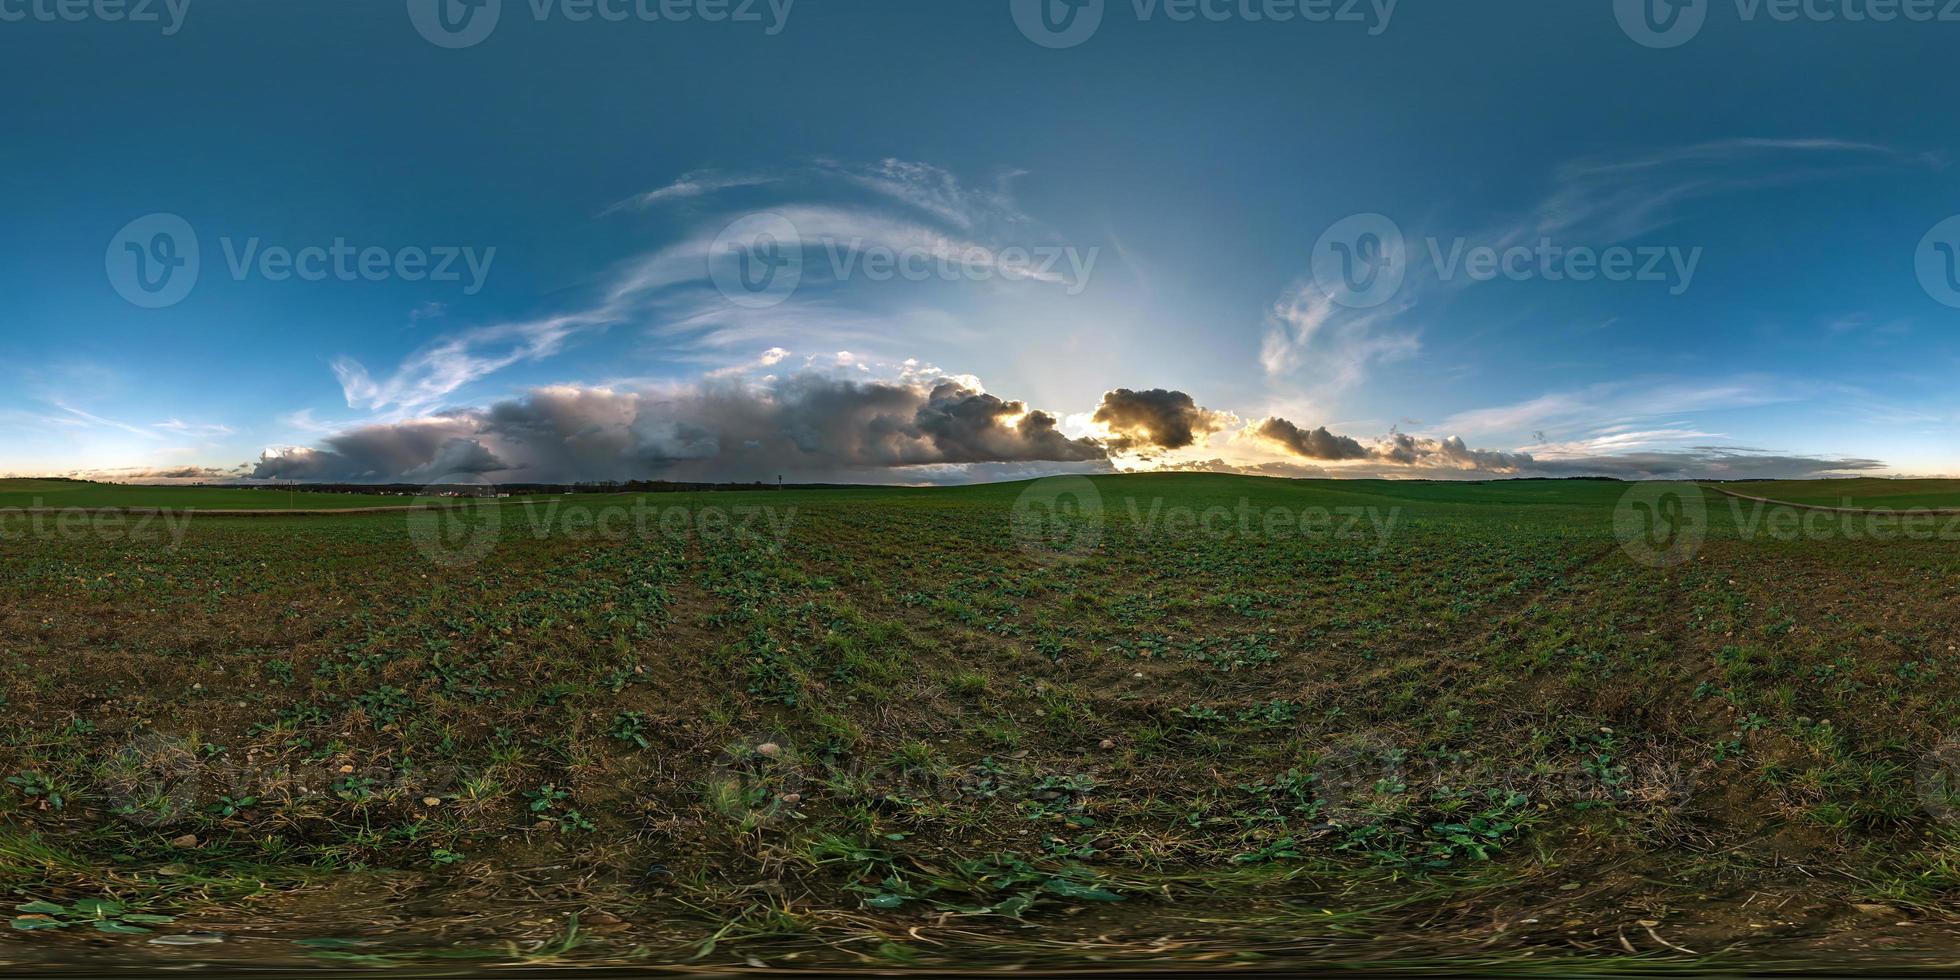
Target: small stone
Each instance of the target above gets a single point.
(1106, 744)
(792, 797)
(185, 842)
(346, 769)
(431, 801)
(769, 750)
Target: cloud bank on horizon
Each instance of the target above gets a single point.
(918, 427)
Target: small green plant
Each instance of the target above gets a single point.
(544, 798)
(630, 727)
(228, 806)
(544, 803)
(1282, 849)
(101, 914)
(354, 789)
(37, 786)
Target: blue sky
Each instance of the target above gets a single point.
(1139, 213)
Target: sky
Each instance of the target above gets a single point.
(890, 241)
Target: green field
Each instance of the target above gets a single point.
(78, 493)
(1866, 492)
(1181, 721)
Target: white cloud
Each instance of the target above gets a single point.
(695, 184)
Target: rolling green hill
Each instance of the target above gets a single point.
(1864, 492)
(78, 493)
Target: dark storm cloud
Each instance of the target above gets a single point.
(1402, 454)
(804, 427)
(1708, 463)
(1398, 450)
(380, 453)
(1310, 443)
(1450, 453)
(166, 475)
(1156, 420)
